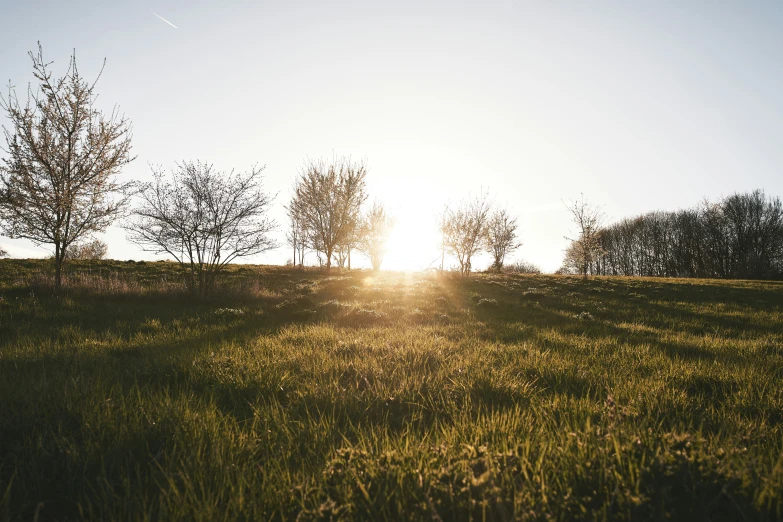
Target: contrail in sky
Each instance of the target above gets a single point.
(172, 25)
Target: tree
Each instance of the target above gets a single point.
(296, 237)
(349, 243)
(204, 219)
(463, 229)
(586, 247)
(443, 220)
(328, 199)
(3, 252)
(374, 232)
(572, 261)
(740, 236)
(58, 183)
(500, 237)
(92, 250)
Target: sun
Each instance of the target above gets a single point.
(412, 245)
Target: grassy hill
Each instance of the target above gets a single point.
(302, 395)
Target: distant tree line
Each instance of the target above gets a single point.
(59, 185)
(738, 237)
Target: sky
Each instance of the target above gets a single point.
(639, 106)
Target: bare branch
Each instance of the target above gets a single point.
(58, 184)
(204, 219)
(326, 203)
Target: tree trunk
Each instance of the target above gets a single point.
(349, 259)
(59, 254)
(442, 254)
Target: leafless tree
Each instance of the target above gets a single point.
(464, 228)
(501, 237)
(374, 232)
(443, 219)
(58, 183)
(586, 246)
(93, 249)
(327, 198)
(204, 219)
(572, 260)
(343, 249)
(296, 237)
(740, 236)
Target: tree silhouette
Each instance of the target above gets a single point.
(204, 219)
(58, 183)
(327, 199)
(374, 232)
(500, 237)
(586, 246)
(463, 229)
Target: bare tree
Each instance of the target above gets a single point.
(204, 219)
(349, 243)
(58, 183)
(740, 236)
(572, 261)
(501, 237)
(342, 250)
(374, 232)
(93, 250)
(328, 199)
(296, 236)
(586, 247)
(443, 220)
(463, 229)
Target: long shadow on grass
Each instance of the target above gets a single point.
(352, 401)
(562, 309)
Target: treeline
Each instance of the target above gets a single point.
(739, 237)
(59, 185)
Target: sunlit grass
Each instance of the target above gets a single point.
(391, 396)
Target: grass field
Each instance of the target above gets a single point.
(301, 395)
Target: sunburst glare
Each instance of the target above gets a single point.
(411, 245)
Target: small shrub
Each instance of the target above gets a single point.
(89, 250)
(522, 267)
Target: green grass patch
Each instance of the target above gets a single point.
(304, 395)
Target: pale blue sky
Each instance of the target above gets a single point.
(640, 105)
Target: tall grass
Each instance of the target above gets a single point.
(301, 395)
